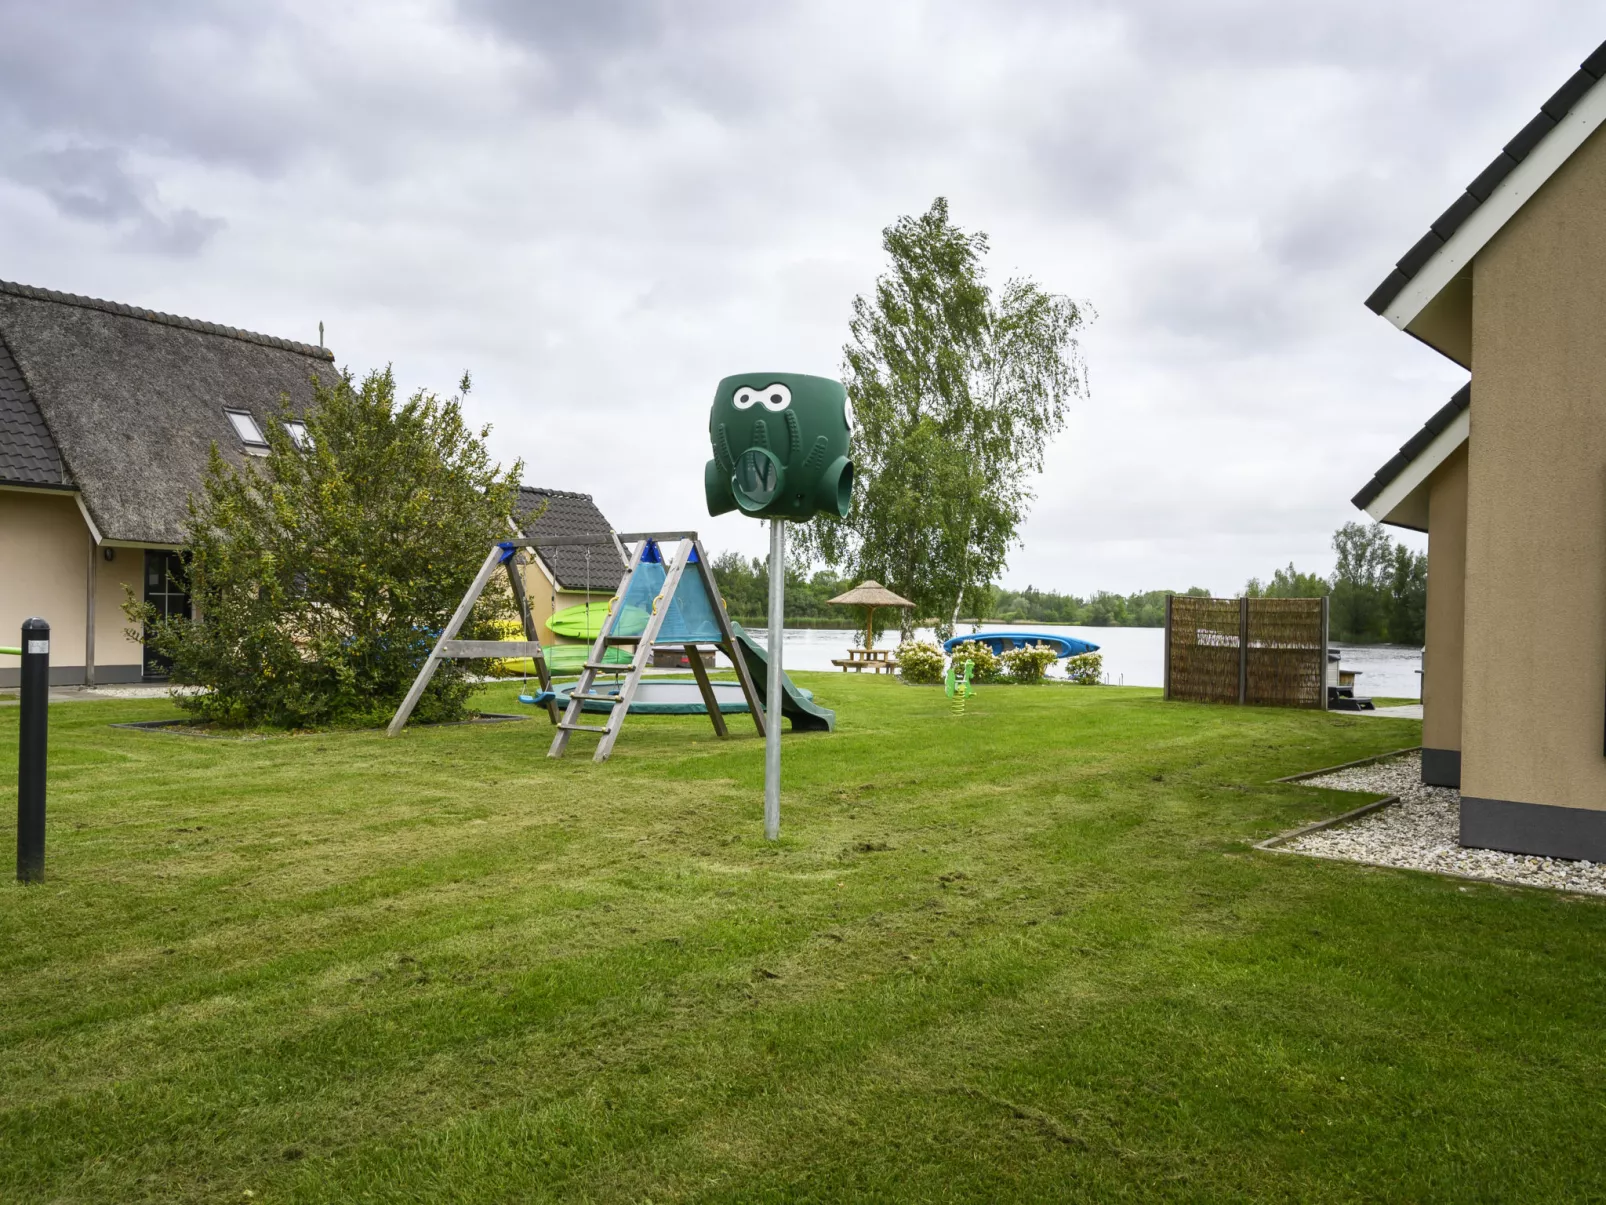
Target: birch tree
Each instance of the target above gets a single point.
(958, 392)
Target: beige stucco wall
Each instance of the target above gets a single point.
(45, 555)
(1535, 663)
(545, 601)
(1447, 570)
(44, 568)
(113, 649)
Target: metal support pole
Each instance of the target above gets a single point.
(772, 703)
(34, 698)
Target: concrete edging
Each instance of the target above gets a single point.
(1271, 844)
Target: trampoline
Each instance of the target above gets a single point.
(659, 696)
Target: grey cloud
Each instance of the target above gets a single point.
(615, 201)
(92, 184)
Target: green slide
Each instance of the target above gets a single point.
(805, 714)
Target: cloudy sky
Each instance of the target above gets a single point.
(602, 207)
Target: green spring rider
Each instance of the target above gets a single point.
(959, 689)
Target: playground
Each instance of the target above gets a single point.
(1026, 953)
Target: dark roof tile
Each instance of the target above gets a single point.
(1519, 148)
(1568, 95)
(28, 455)
(561, 517)
(1486, 181)
(1528, 137)
(1387, 291)
(1413, 447)
(1411, 263)
(1450, 220)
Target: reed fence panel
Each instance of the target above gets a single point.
(1269, 652)
(1202, 649)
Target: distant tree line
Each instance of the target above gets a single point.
(745, 583)
(1379, 589)
(1143, 609)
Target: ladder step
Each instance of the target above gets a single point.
(610, 667)
(600, 698)
(581, 728)
(621, 639)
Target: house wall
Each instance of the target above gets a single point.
(1533, 775)
(1442, 658)
(117, 658)
(45, 562)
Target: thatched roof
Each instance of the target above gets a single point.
(872, 594)
(125, 404)
(568, 515)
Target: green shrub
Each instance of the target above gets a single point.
(1085, 670)
(989, 667)
(323, 573)
(1029, 664)
(919, 662)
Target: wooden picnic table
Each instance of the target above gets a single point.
(877, 661)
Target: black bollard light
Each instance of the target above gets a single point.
(34, 697)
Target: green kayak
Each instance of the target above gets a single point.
(580, 622)
(564, 659)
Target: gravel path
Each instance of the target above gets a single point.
(1420, 833)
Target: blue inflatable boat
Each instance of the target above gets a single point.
(1002, 642)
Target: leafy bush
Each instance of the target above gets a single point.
(506, 667)
(1029, 664)
(919, 661)
(988, 666)
(1086, 669)
(322, 574)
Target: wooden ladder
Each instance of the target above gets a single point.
(619, 704)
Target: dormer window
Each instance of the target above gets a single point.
(245, 426)
(297, 431)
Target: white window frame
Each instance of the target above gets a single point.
(250, 423)
(296, 429)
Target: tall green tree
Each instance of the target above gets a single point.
(322, 572)
(1378, 589)
(957, 391)
(1361, 575)
(1288, 583)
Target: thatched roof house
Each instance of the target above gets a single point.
(108, 414)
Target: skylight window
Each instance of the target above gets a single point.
(245, 426)
(297, 431)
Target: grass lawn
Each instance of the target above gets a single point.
(1025, 954)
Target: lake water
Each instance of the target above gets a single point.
(1132, 656)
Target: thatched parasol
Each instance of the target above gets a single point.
(871, 595)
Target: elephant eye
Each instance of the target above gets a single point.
(776, 397)
(744, 399)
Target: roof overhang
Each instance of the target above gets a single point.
(1403, 502)
(1435, 305)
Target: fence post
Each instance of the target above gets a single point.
(33, 698)
(1322, 676)
(1243, 650)
(1168, 599)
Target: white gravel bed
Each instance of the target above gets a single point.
(1421, 833)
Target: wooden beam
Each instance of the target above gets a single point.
(462, 650)
(732, 649)
(448, 634)
(710, 699)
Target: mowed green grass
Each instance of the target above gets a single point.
(1027, 954)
